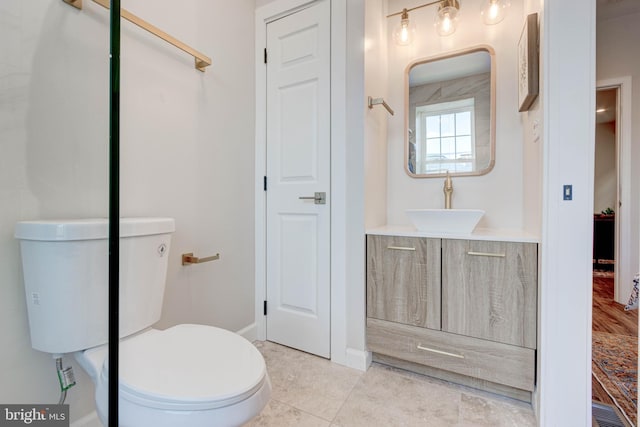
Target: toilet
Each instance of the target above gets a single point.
(186, 375)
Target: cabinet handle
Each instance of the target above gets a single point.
(400, 248)
(445, 353)
(486, 254)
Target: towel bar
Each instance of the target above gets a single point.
(201, 60)
(379, 101)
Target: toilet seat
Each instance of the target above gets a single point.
(188, 367)
(184, 368)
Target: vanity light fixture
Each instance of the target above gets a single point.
(494, 11)
(404, 32)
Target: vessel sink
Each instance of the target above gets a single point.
(450, 221)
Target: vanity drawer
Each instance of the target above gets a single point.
(491, 361)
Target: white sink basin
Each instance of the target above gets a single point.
(451, 221)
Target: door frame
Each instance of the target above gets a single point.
(623, 238)
(346, 349)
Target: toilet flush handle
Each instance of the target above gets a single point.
(188, 259)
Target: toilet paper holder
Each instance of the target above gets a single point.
(188, 259)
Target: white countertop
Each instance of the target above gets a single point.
(501, 235)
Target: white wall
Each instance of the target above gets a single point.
(500, 192)
(605, 178)
(260, 3)
(532, 125)
(187, 152)
(532, 168)
(53, 139)
(352, 16)
(568, 104)
(376, 119)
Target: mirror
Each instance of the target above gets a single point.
(450, 114)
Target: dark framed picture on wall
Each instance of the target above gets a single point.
(528, 63)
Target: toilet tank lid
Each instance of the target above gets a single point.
(90, 229)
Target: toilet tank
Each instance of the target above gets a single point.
(65, 266)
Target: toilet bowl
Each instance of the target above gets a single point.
(187, 375)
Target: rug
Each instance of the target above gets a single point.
(615, 367)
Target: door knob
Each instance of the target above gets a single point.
(320, 198)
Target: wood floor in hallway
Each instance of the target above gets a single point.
(609, 316)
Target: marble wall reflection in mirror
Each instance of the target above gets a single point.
(450, 114)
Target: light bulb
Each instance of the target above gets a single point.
(405, 31)
(494, 11)
(447, 17)
(446, 23)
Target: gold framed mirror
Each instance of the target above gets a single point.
(450, 114)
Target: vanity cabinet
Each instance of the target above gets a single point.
(489, 290)
(461, 310)
(403, 280)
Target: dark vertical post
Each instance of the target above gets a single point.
(114, 211)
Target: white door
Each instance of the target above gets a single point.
(298, 165)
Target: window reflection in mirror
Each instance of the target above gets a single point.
(450, 115)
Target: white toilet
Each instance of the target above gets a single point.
(187, 375)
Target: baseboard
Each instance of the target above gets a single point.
(358, 359)
(250, 332)
(535, 403)
(89, 420)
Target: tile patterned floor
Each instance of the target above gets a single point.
(309, 391)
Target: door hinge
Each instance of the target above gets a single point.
(265, 308)
(265, 55)
(265, 183)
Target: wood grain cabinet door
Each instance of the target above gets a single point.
(489, 290)
(403, 280)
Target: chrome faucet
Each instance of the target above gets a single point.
(448, 191)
